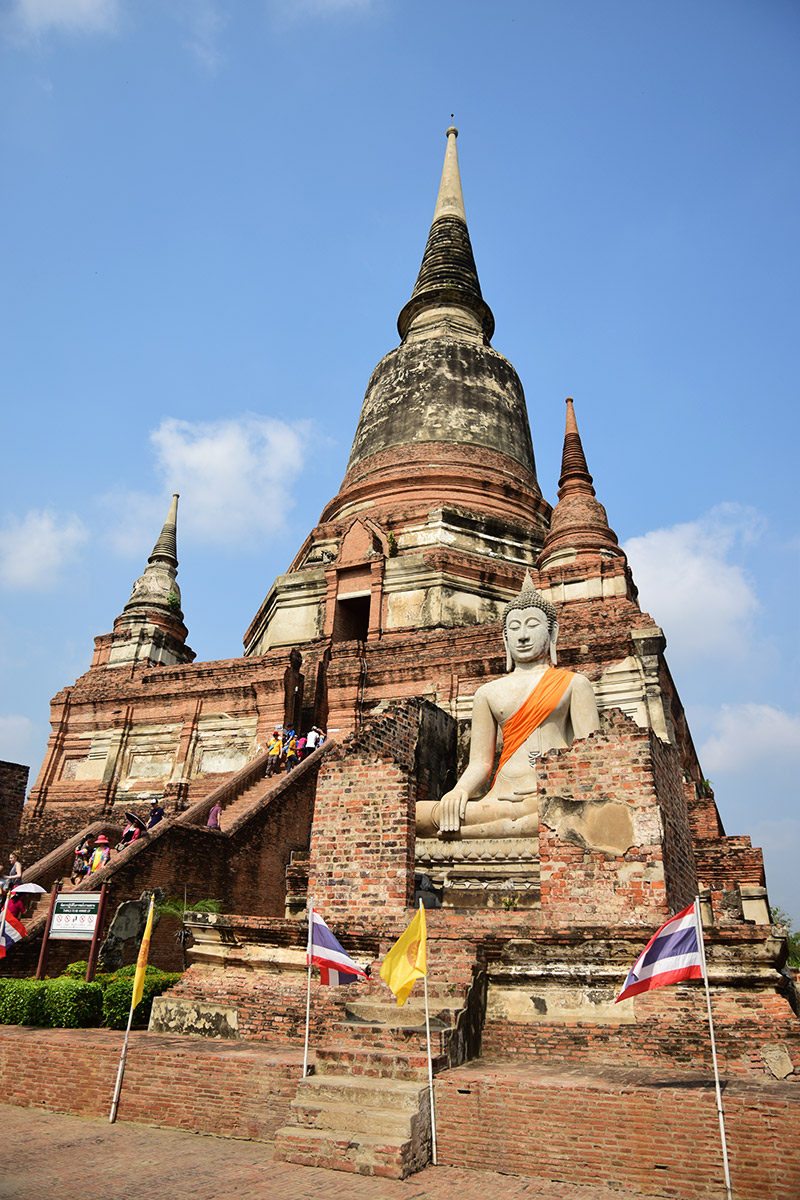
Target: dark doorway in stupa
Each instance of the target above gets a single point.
(351, 621)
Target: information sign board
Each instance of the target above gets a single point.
(75, 916)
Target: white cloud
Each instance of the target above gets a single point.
(71, 16)
(206, 22)
(35, 548)
(235, 478)
(747, 735)
(688, 578)
(17, 735)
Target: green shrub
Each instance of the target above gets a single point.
(22, 1001)
(76, 970)
(72, 1004)
(117, 997)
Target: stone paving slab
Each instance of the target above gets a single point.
(72, 1158)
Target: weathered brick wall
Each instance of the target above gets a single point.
(646, 1136)
(271, 1006)
(362, 844)
(670, 1031)
(679, 861)
(259, 850)
(246, 870)
(229, 1089)
(13, 782)
(584, 886)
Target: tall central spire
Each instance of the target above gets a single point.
(448, 275)
(440, 504)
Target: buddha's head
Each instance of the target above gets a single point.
(530, 627)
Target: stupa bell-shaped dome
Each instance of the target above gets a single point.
(444, 399)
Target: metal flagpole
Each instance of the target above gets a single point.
(701, 944)
(308, 984)
(430, 1062)
(112, 1116)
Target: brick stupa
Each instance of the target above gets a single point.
(381, 630)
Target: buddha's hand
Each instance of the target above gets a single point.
(450, 810)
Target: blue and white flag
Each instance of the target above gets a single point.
(672, 955)
(335, 966)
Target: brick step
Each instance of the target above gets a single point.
(398, 1038)
(409, 1015)
(360, 1153)
(346, 1118)
(250, 796)
(362, 1091)
(376, 1063)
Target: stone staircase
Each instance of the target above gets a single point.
(366, 1107)
(252, 795)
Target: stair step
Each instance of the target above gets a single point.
(409, 1015)
(360, 1153)
(391, 1039)
(361, 1090)
(377, 1063)
(353, 1118)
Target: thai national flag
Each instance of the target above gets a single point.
(335, 966)
(672, 955)
(13, 932)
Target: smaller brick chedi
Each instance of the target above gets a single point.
(437, 603)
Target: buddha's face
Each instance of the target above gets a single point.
(527, 635)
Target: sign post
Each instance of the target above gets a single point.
(73, 916)
(98, 925)
(42, 963)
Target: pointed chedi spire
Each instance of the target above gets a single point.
(444, 402)
(150, 629)
(442, 462)
(166, 548)
(448, 275)
(579, 522)
(157, 585)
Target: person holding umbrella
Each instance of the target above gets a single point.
(133, 830)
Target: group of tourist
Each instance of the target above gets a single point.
(285, 749)
(94, 853)
(90, 856)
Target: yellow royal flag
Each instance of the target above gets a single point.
(406, 962)
(141, 961)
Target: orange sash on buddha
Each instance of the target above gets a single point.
(532, 712)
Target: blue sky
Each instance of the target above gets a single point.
(213, 212)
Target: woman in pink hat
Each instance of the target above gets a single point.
(100, 855)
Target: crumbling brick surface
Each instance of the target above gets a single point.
(670, 1031)
(235, 1089)
(13, 782)
(642, 1133)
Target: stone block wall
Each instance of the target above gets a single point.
(13, 782)
(362, 845)
(664, 1030)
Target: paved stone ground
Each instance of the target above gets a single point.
(81, 1158)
